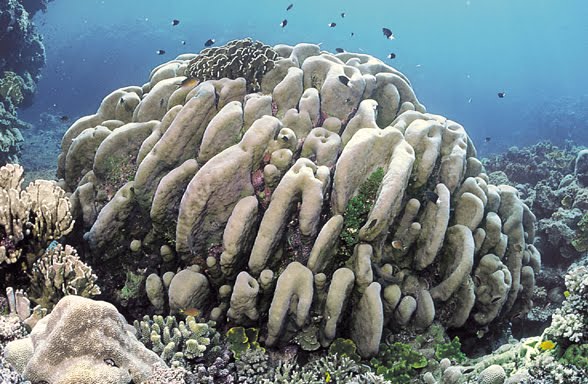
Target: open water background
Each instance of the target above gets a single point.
(458, 54)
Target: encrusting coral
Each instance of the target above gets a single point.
(247, 210)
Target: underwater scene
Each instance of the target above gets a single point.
(293, 192)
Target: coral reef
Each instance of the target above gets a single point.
(30, 218)
(549, 178)
(559, 355)
(228, 217)
(550, 182)
(22, 56)
(82, 341)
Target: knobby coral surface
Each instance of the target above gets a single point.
(30, 218)
(82, 341)
(248, 194)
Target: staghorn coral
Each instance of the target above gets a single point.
(256, 226)
(60, 272)
(237, 58)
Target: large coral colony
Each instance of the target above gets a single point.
(291, 216)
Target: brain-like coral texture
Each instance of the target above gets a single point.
(329, 194)
(82, 341)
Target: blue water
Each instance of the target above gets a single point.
(457, 53)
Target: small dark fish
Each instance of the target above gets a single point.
(284, 23)
(352, 34)
(332, 25)
(392, 56)
(160, 52)
(501, 94)
(487, 139)
(342, 15)
(183, 42)
(175, 22)
(397, 244)
(344, 79)
(64, 118)
(496, 299)
(388, 33)
(339, 50)
(431, 196)
(289, 7)
(209, 42)
(161, 103)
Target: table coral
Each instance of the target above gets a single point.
(415, 207)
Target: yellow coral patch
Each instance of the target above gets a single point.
(547, 345)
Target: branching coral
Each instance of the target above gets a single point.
(60, 272)
(178, 343)
(30, 218)
(570, 322)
